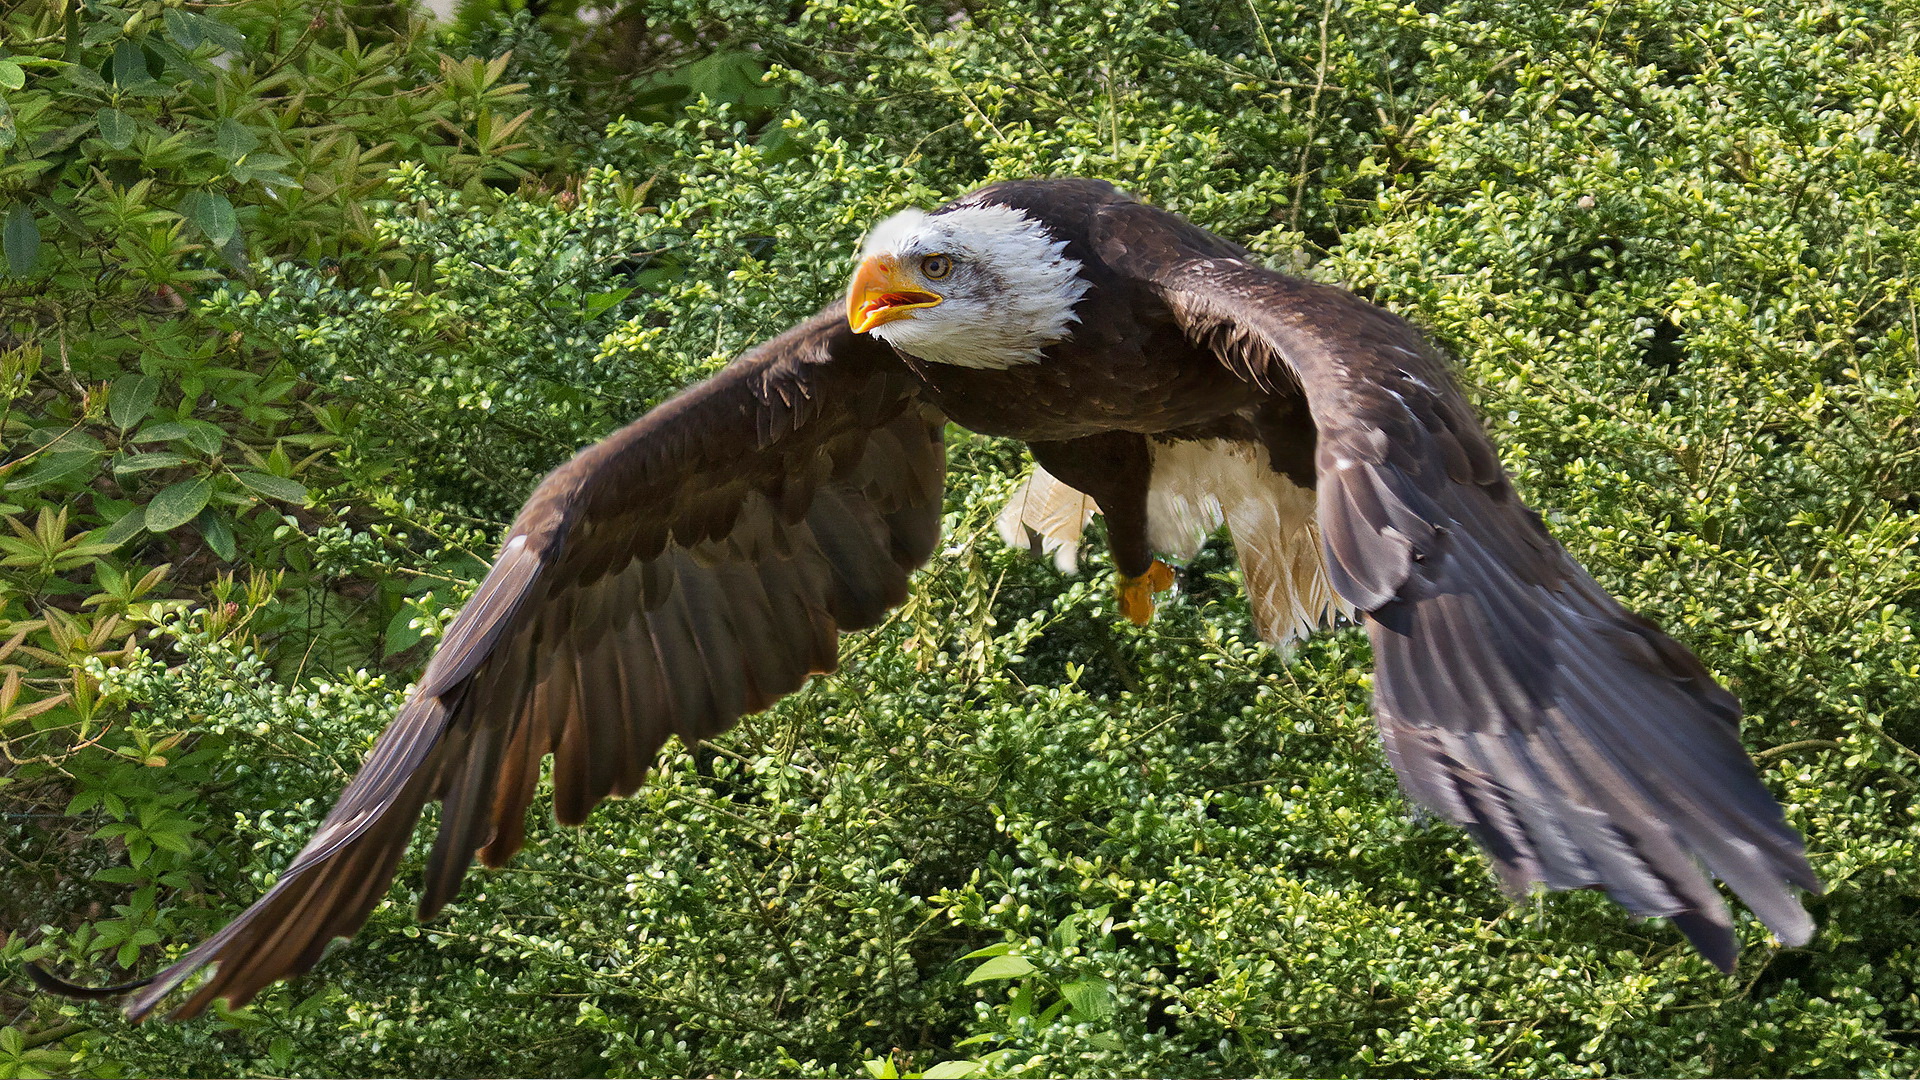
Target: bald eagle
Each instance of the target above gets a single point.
(702, 562)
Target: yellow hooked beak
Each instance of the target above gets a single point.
(882, 292)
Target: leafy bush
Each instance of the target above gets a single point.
(1670, 242)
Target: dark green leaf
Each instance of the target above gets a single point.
(128, 65)
(20, 238)
(216, 531)
(213, 29)
(178, 504)
(598, 303)
(232, 139)
(129, 525)
(212, 214)
(131, 399)
(183, 27)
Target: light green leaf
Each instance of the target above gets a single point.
(116, 127)
(131, 399)
(158, 459)
(164, 431)
(203, 436)
(50, 467)
(1001, 967)
(274, 487)
(11, 76)
(178, 503)
(953, 1070)
(1092, 999)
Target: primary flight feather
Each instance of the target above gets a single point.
(701, 563)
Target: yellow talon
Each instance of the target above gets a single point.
(1136, 593)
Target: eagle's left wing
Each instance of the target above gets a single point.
(1578, 744)
(693, 567)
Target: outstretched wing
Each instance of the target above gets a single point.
(695, 566)
(1577, 743)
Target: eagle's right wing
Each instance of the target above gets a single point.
(1580, 746)
(695, 566)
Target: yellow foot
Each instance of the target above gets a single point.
(1136, 593)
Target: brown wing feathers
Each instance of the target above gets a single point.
(1576, 742)
(694, 567)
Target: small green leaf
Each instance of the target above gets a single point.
(598, 303)
(952, 1070)
(12, 77)
(131, 399)
(178, 504)
(274, 487)
(20, 238)
(212, 214)
(1000, 967)
(1092, 999)
(998, 948)
(116, 127)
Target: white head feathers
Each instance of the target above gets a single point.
(1009, 295)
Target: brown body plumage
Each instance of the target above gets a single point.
(700, 563)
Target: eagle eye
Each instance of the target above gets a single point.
(935, 267)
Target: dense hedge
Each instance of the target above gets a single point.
(301, 295)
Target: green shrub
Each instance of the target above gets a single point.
(1670, 242)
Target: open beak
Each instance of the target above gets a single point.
(881, 292)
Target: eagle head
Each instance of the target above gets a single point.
(972, 284)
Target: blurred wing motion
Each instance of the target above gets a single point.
(694, 567)
(1579, 745)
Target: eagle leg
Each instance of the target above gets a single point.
(1136, 593)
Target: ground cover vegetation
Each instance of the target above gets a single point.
(298, 298)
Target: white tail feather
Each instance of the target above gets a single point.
(1046, 512)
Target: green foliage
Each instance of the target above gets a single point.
(1671, 242)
